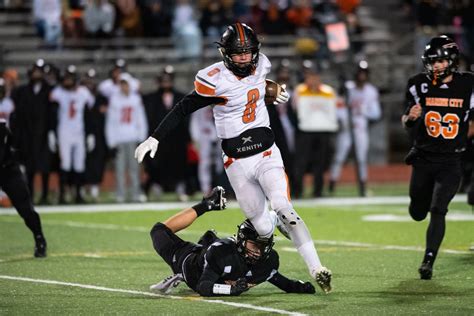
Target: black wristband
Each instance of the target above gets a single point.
(200, 208)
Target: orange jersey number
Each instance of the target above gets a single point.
(126, 117)
(72, 110)
(434, 127)
(249, 112)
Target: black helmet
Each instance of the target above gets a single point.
(247, 232)
(2, 87)
(439, 48)
(70, 72)
(237, 39)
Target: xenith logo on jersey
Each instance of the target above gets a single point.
(447, 102)
(248, 147)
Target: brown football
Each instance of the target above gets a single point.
(272, 90)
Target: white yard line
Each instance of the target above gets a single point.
(134, 292)
(164, 206)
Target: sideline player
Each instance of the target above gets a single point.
(13, 182)
(363, 100)
(72, 101)
(235, 87)
(440, 102)
(213, 266)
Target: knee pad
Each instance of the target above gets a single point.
(436, 211)
(418, 213)
(295, 226)
(289, 217)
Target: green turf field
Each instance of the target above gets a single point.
(374, 266)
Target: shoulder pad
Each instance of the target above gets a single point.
(206, 80)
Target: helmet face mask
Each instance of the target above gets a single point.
(250, 245)
(438, 49)
(239, 39)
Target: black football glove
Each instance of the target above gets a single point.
(304, 287)
(215, 201)
(240, 286)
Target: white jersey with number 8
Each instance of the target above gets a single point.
(244, 107)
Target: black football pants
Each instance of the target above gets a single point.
(13, 182)
(432, 187)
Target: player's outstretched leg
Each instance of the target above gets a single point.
(168, 284)
(276, 189)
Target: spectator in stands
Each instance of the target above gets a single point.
(363, 106)
(129, 17)
(31, 123)
(10, 75)
(273, 17)
(167, 170)
(299, 15)
(315, 106)
(97, 146)
(125, 127)
(157, 16)
(47, 19)
(186, 33)
(215, 16)
(99, 18)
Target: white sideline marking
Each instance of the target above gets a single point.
(163, 206)
(194, 299)
(452, 216)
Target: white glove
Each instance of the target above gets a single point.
(90, 142)
(283, 97)
(52, 141)
(149, 145)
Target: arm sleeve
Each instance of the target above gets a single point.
(283, 283)
(209, 275)
(187, 105)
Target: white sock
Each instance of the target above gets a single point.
(310, 256)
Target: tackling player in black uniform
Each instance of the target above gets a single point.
(216, 266)
(13, 182)
(440, 104)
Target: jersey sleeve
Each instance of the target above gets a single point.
(54, 95)
(211, 272)
(411, 95)
(266, 64)
(205, 82)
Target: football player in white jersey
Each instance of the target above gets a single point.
(72, 101)
(235, 88)
(6, 103)
(363, 99)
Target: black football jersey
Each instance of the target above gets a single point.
(222, 262)
(446, 111)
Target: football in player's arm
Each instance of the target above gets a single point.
(440, 106)
(213, 266)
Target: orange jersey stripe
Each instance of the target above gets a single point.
(288, 187)
(203, 89)
(240, 30)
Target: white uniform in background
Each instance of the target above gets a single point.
(125, 126)
(125, 121)
(71, 129)
(108, 87)
(365, 106)
(204, 135)
(261, 176)
(6, 108)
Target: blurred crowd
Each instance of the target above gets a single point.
(454, 18)
(192, 21)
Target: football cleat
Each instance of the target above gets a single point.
(40, 248)
(323, 279)
(215, 201)
(168, 284)
(426, 271)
